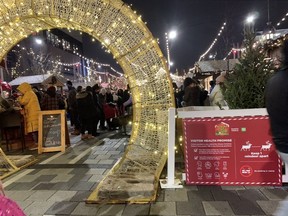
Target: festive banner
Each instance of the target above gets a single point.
(230, 151)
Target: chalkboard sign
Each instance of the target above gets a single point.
(52, 131)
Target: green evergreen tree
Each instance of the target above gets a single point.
(245, 86)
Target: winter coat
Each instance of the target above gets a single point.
(276, 98)
(31, 106)
(192, 96)
(71, 100)
(86, 106)
(216, 97)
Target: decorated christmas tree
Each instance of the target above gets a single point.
(245, 86)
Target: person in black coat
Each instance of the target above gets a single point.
(96, 113)
(192, 92)
(86, 111)
(276, 95)
(72, 108)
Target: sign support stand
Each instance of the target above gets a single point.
(171, 182)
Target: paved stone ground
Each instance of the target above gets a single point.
(61, 182)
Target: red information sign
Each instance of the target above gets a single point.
(230, 151)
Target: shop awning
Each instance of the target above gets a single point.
(44, 79)
(208, 68)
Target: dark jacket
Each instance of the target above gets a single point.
(85, 105)
(192, 96)
(276, 96)
(71, 100)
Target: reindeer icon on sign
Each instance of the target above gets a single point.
(266, 147)
(246, 146)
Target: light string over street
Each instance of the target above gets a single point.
(229, 53)
(214, 41)
(283, 19)
(31, 52)
(234, 50)
(98, 63)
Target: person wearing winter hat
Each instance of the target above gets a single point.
(192, 92)
(216, 97)
(52, 100)
(31, 106)
(221, 77)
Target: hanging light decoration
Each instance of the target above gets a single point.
(214, 42)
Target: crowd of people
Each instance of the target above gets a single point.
(95, 108)
(192, 93)
(89, 109)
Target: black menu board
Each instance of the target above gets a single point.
(51, 131)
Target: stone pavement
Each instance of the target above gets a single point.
(61, 182)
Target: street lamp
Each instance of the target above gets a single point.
(250, 19)
(249, 23)
(38, 41)
(39, 45)
(172, 34)
(169, 36)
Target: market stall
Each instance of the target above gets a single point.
(41, 81)
(5, 89)
(12, 134)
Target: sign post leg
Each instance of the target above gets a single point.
(171, 182)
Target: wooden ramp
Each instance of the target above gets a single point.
(11, 164)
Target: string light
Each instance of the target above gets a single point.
(213, 43)
(31, 52)
(35, 64)
(98, 63)
(56, 63)
(229, 53)
(283, 19)
(234, 50)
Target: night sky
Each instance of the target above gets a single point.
(199, 21)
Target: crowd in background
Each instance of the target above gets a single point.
(95, 108)
(89, 109)
(191, 93)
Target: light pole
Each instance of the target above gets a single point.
(39, 46)
(169, 36)
(249, 23)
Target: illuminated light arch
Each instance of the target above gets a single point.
(121, 31)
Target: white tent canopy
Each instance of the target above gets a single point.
(43, 79)
(213, 66)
